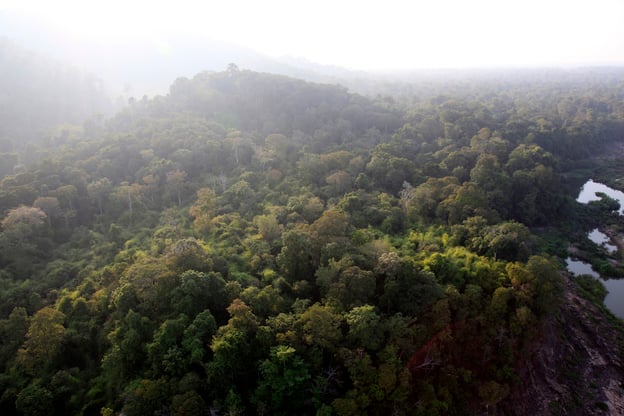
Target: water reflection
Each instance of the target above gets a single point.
(588, 193)
(614, 298)
(578, 267)
(615, 287)
(603, 240)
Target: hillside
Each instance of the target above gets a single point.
(127, 65)
(256, 244)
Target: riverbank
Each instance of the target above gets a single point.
(614, 258)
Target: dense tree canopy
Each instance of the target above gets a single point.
(255, 244)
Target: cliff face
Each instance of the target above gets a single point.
(576, 368)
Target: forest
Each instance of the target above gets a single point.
(252, 244)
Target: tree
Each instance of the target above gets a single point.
(128, 195)
(146, 397)
(353, 287)
(175, 181)
(320, 326)
(50, 205)
(507, 240)
(34, 400)
(23, 217)
(528, 157)
(427, 197)
(198, 291)
(188, 404)
(12, 332)
(198, 335)
(283, 385)
(332, 227)
(188, 254)
(294, 259)
(268, 227)
(99, 191)
(408, 290)
(548, 283)
(340, 181)
(151, 186)
(203, 210)
(24, 242)
(278, 146)
(165, 352)
(389, 171)
(43, 340)
(466, 201)
(493, 181)
(235, 350)
(68, 199)
(406, 195)
(67, 196)
(127, 356)
(364, 327)
(240, 147)
(241, 197)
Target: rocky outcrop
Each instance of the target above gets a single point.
(575, 367)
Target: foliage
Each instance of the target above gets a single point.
(255, 244)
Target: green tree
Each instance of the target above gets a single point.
(268, 227)
(127, 357)
(203, 210)
(175, 182)
(507, 240)
(12, 332)
(364, 327)
(284, 382)
(50, 205)
(34, 400)
(99, 191)
(188, 254)
(197, 336)
(294, 258)
(43, 340)
(198, 291)
(320, 326)
(146, 397)
(188, 404)
(165, 352)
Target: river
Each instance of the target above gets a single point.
(589, 190)
(615, 298)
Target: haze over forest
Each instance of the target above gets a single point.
(325, 208)
(140, 47)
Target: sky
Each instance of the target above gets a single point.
(368, 35)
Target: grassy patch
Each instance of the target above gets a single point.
(591, 289)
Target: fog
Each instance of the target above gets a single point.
(140, 47)
(90, 59)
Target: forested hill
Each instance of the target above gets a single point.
(255, 244)
(267, 103)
